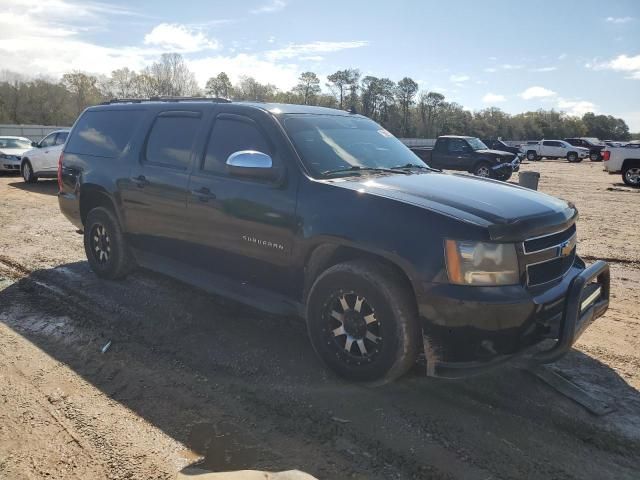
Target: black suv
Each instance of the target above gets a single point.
(594, 145)
(324, 214)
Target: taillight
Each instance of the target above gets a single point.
(60, 170)
(606, 155)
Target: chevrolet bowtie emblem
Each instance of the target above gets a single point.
(565, 248)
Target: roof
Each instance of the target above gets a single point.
(275, 108)
(455, 136)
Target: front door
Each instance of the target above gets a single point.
(155, 194)
(243, 227)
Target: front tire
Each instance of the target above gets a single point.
(104, 244)
(631, 176)
(595, 157)
(483, 169)
(532, 156)
(362, 322)
(27, 173)
(503, 177)
(572, 157)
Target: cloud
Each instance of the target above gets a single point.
(537, 92)
(576, 107)
(619, 19)
(313, 49)
(263, 70)
(543, 69)
(562, 56)
(490, 70)
(508, 66)
(493, 98)
(621, 63)
(179, 38)
(459, 78)
(270, 7)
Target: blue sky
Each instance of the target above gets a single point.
(574, 56)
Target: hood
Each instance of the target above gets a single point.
(508, 211)
(582, 149)
(14, 151)
(498, 153)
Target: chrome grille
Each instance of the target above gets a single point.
(549, 257)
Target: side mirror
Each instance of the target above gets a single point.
(253, 164)
(34, 144)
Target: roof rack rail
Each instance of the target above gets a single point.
(167, 99)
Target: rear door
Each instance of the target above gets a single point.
(38, 157)
(52, 154)
(155, 194)
(243, 228)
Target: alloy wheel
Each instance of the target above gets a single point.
(633, 175)
(483, 172)
(100, 244)
(354, 329)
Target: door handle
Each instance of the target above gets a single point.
(203, 194)
(141, 181)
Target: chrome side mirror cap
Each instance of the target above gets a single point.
(251, 163)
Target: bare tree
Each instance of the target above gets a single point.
(171, 76)
(84, 88)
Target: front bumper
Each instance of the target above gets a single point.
(467, 330)
(512, 166)
(9, 165)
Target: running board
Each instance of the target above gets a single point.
(570, 390)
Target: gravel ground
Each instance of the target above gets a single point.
(190, 377)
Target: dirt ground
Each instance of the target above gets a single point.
(189, 377)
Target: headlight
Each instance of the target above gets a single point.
(480, 263)
(4, 155)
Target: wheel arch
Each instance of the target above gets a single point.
(630, 162)
(325, 256)
(92, 196)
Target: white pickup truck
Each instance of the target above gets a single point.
(555, 149)
(624, 160)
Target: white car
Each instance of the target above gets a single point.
(624, 160)
(42, 161)
(11, 151)
(555, 149)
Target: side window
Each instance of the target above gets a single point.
(442, 144)
(48, 141)
(103, 133)
(170, 141)
(547, 143)
(61, 138)
(457, 145)
(229, 136)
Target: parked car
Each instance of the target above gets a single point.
(469, 154)
(594, 146)
(42, 161)
(556, 149)
(503, 147)
(624, 160)
(324, 214)
(11, 151)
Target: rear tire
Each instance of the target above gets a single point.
(595, 157)
(631, 175)
(362, 322)
(27, 172)
(105, 246)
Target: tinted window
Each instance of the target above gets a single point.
(48, 141)
(457, 145)
(229, 136)
(551, 144)
(104, 133)
(171, 140)
(61, 138)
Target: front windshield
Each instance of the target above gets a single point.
(331, 142)
(14, 143)
(477, 144)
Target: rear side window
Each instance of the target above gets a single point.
(171, 139)
(229, 136)
(103, 133)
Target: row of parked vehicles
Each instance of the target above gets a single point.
(32, 160)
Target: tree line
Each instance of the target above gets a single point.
(399, 106)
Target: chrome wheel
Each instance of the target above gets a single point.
(632, 176)
(354, 329)
(100, 244)
(483, 171)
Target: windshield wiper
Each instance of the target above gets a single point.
(413, 165)
(358, 168)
